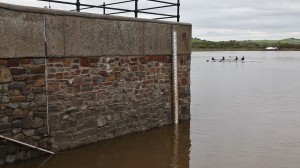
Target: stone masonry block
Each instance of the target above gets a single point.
(19, 113)
(38, 61)
(53, 87)
(84, 62)
(14, 92)
(43, 130)
(37, 123)
(5, 75)
(25, 61)
(5, 127)
(3, 61)
(18, 98)
(26, 122)
(17, 85)
(17, 71)
(38, 69)
(13, 62)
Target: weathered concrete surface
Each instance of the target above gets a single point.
(158, 39)
(184, 34)
(22, 34)
(89, 37)
(55, 35)
(69, 34)
(73, 36)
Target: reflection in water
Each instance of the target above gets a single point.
(175, 147)
(168, 146)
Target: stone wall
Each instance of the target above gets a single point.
(23, 106)
(68, 79)
(96, 98)
(184, 81)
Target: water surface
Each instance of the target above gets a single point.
(246, 115)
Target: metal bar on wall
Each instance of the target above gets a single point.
(175, 78)
(78, 6)
(95, 6)
(119, 2)
(178, 10)
(25, 144)
(164, 17)
(104, 12)
(86, 5)
(136, 11)
(158, 7)
(81, 6)
(115, 13)
(62, 2)
(163, 2)
(161, 14)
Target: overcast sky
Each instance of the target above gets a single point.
(221, 19)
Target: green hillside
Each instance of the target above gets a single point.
(285, 44)
(287, 41)
(291, 41)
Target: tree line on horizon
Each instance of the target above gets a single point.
(286, 44)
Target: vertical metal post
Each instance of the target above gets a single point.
(178, 12)
(136, 9)
(175, 78)
(78, 5)
(104, 8)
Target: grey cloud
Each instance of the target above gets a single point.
(240, 19)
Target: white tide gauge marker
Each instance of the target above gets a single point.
(175, 78)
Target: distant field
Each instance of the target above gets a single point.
(285, 44)
(288, 41)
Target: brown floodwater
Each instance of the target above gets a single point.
(168, 146)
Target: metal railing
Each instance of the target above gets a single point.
(136, 10)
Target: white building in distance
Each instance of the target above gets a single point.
(272, 48)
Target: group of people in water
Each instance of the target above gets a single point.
(223, 59)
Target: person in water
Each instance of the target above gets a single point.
(213, 59)
(236, 58)
(223, 59)
(243, 58)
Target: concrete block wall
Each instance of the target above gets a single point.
(68, 78)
